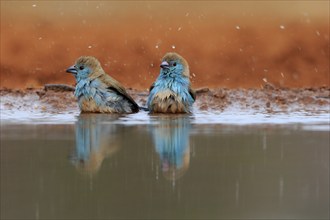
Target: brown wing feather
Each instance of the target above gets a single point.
(116, 86)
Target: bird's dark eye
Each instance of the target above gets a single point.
(81, 67)
(174, 64)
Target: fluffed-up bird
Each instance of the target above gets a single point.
(98, 92)
(171, 92)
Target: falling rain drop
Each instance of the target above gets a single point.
(89, 47)
(34, 5)
(237, 192)
(282, 27)
(264, 140)
(179, 29)
(281, 187)
(238, 27)
(173, 46)
(156, 46)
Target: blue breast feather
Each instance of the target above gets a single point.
(178, 85)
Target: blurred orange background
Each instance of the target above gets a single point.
(226, 43)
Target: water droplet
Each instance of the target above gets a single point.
(282, 27)
(156, 46)
(173, 46)
(238, 27)
(89, 47)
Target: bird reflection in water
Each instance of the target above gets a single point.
(171, 140)
(95, 141)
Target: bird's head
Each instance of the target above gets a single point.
(86, 66)
(174, 65)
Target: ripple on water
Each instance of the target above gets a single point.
(311, 121)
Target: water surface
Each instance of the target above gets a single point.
(112, 167)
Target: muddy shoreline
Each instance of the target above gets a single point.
(58, 98)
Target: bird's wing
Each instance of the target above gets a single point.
(114, 85)
(151, 87)
(192, 93)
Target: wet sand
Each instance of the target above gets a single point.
(55, 99)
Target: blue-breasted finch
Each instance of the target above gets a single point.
(98, 92)
(171, 92)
